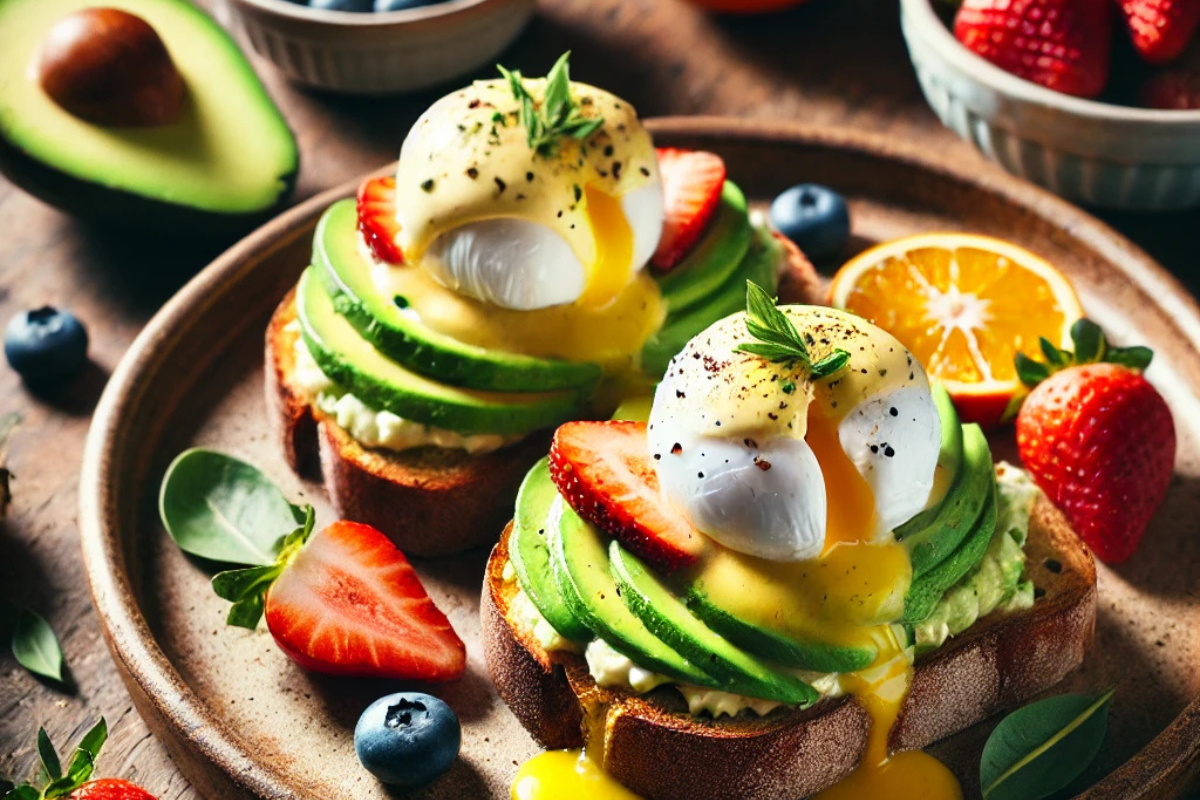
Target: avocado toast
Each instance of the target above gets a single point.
(499, 285)
(692, 655)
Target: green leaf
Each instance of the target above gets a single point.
(1089, 341)
(1039, 749)
(831, 364)
(35, 646)
(1029, 371)
(1138, 358)
(223, 509)
(1054, 356)
(247, 613)
(558, 116)
(48, 756)
(94, 739)
(247, 588)
(25, 792)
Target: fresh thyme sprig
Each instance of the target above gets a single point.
(778, 341)
(558, 116)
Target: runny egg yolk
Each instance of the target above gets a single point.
(609, 273)
(851, 514)
(560, 774)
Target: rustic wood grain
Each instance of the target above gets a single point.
(839, 62)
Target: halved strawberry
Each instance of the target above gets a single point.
(347, 602)
(604, 473)
(377, 218)
(692, 182)
(1161, 29)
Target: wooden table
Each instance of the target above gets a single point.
(837, 62)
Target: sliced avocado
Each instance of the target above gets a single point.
(529, 553)
(773, 646)
(350, 361)
(715, 257)
(402, 337)
(949, 461)
(956, 515)
(227, 161)
(928, 589)
(760, 264)
(668, 618)
(581, 568)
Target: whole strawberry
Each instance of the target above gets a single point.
(74, 780)
(1064, 45)
(1098, 439)
(1161, 29)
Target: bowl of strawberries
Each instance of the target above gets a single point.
(1096, 100)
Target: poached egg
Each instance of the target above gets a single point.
(776, 465)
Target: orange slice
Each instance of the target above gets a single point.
(964, 305)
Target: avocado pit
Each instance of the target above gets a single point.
(111, 68)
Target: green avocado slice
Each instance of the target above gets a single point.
(715, 257)
(957, 513)
(668, 618)
(227, 161)
(928, 589)
(949, 463)
(406, 340)
(760, 264)
(581, 569)
(350, 361)
(529, 553)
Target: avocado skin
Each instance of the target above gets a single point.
(927, 590)
(414, 345)
(955, 516)
(121, 209)
(581, 569)
(715, 257)
(529, 553)
(669, 619)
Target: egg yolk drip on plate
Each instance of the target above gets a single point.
(538, 250)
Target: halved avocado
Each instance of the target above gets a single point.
(949, 463)
(403, 338)
(669, 619)
(957, 514)
(226, 162)
(715, 257)
(581, 568)
(352, 362)
(529, 552)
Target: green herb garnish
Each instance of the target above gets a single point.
(777, 339)
(557, 116)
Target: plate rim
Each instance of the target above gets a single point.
(161, 695)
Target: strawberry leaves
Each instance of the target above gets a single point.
(247, 588)
(55, 782)
(558, 116)
(777, 339)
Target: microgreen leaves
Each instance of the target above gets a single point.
(778, 341)
(558, 116)
(56, 781)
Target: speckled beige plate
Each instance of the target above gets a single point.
(241, 720)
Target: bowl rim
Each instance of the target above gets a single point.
(931, 27)
(361, 19)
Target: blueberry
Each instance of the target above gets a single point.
(400, 5)
(341, 5)
(814, 217)
(407, 739)
(46, 345)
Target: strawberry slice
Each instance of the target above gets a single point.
(692, 182)
(603, 471)
(377, 218)
(347, 602)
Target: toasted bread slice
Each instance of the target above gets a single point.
(430, 501)
(655, 747)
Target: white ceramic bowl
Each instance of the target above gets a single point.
(373, 54)
(1094, 153)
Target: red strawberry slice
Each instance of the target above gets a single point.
(377, 218)
(349, 603)
(603, 471)
(1063, 45)
(1161, 29)
(692, 182)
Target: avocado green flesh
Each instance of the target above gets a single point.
(927, 590)
(949, 463)
(760, 264)
(529, 553)
(230, 153)
(351, 361)
(669, 619)
(957, 513)
(581, 569)
(714, 258)
(403, 338)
